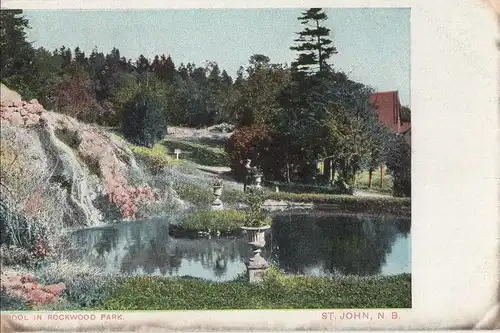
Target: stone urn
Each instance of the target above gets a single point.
(256, 265)
(217, 203)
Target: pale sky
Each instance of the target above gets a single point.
(373, 44)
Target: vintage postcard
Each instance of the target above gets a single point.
(283, 166)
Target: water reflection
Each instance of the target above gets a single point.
(349, 245)
(311, 244)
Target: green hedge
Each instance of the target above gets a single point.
(276, 292)
(349, 203)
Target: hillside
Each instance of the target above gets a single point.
(59, 173)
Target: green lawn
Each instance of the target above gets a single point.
(363, 177)
(201, 152)
(276, 292)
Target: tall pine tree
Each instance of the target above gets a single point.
(313, 45)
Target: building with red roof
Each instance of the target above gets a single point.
(389, 110)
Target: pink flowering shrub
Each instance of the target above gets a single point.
(126, 197)
(26, 288)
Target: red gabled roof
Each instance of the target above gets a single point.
(389, 108)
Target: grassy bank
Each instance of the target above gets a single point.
(349, 204)
(276, 292)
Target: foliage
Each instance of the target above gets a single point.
(276, 292)
(255, 97)
(10, 303)
(350, 204)
(362, 181)
(27, 220)
(399, 166)
(194, 193)
(72, 95)
(224, 221)
(249, 142)
(284, 120)
(155, 158)
(86, 287)
(144, 121)
(405, 114)
(216, 181)
(313, 45)
(255, 217)
(18, 68)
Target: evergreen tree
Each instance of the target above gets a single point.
(144, 121)
(169, 66)
(18, 62)
(226, 80)
(313, 44)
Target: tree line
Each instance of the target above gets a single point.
(285, 117)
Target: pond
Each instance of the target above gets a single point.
(313, 244)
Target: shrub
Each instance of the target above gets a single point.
(276, 292)
(155, 158)
(86, 287)
(224, 221)
(255, 217)
(249, 142)
(144, 120)
(399, 166)
(194, 193)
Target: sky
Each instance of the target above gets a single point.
(373, 44)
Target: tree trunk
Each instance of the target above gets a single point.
(320, 57)
(381, 176)
(288, 173)
(370, 174)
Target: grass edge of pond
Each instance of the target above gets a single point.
(276, 292)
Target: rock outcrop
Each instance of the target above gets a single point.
(80, 149)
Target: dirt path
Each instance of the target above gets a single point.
(361, 193)
(213, 169)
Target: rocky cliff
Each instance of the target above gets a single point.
(57, 169)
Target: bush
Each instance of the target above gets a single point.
(276, 292)
(250, 142)
(155, 158)
(224, 221)
(144, 119)
(399, 166)
(350, 204)
(254, 216)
